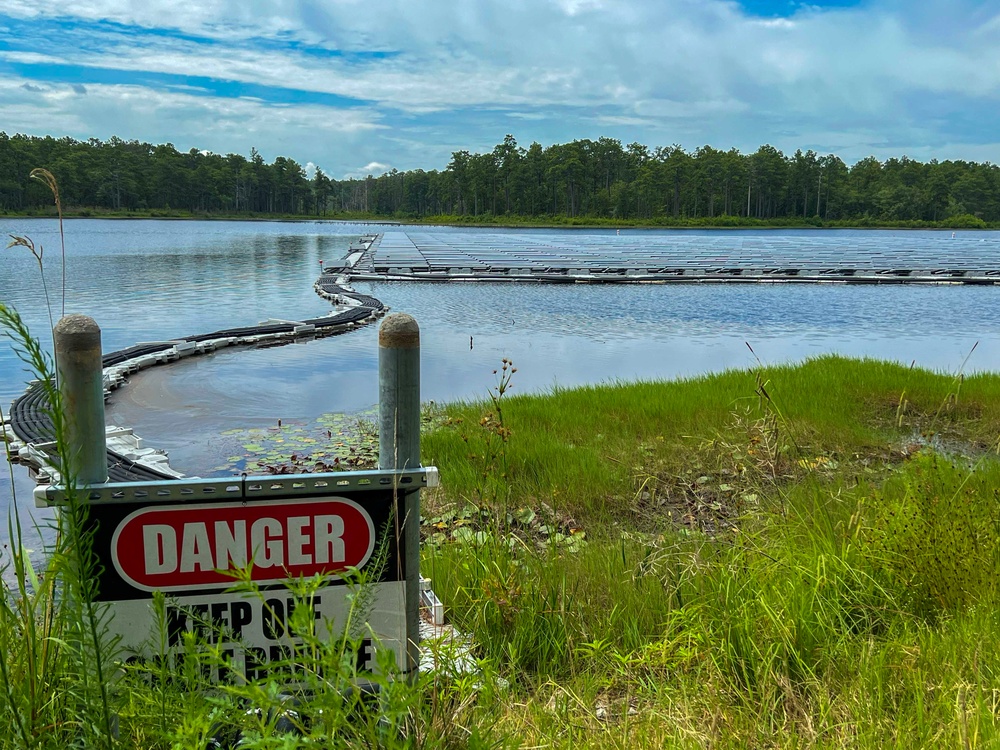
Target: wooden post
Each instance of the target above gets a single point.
(399, 448)
(80, 376)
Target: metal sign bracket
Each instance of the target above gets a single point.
(243, 488)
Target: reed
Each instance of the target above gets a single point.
(847, 604)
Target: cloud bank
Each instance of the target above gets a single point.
(398, 84)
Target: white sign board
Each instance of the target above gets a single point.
(191, 542)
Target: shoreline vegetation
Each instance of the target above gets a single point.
(783, 556)
(513, 222)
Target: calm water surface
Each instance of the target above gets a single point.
(153, 280)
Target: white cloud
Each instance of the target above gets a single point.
(207, 123)
(573, 7)
(624, 120)
(774, 23)
(667, 108)
(373, 168)
(658, 70)
(29, 58)
(526, 115)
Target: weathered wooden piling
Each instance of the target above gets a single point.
(80, 378)
(399, 448)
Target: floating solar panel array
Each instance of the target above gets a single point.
(573, 256)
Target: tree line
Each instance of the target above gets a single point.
(580, 180)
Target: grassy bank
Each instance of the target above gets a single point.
(562, 221)
(798, 556)
(771, 559)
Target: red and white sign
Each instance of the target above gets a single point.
(185, 547)
(192, 550)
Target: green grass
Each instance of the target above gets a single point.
(798, 630)
(810, 575)
(553, 221)
(792, 557)
(590, 449)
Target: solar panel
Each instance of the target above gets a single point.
(513, 254)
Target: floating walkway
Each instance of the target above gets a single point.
(128, 459)
(577, 257)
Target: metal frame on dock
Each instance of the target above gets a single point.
(243, 487)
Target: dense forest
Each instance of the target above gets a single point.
(583, 180)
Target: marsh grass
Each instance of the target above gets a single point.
(38, 251)
(591, 448)
(59, 677)
(847, 601)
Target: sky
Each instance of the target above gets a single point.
(364, 86)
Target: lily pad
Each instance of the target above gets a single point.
(463, 534)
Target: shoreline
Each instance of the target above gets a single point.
(570, 224)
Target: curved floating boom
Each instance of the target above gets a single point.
(128, 460)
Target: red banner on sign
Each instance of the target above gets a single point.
(182, 547)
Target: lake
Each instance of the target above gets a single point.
(153, 280)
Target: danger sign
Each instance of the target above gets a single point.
(180, 547)
(251, 633)
(189, 540)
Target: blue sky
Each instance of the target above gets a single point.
(786, 8)
(359, 86)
